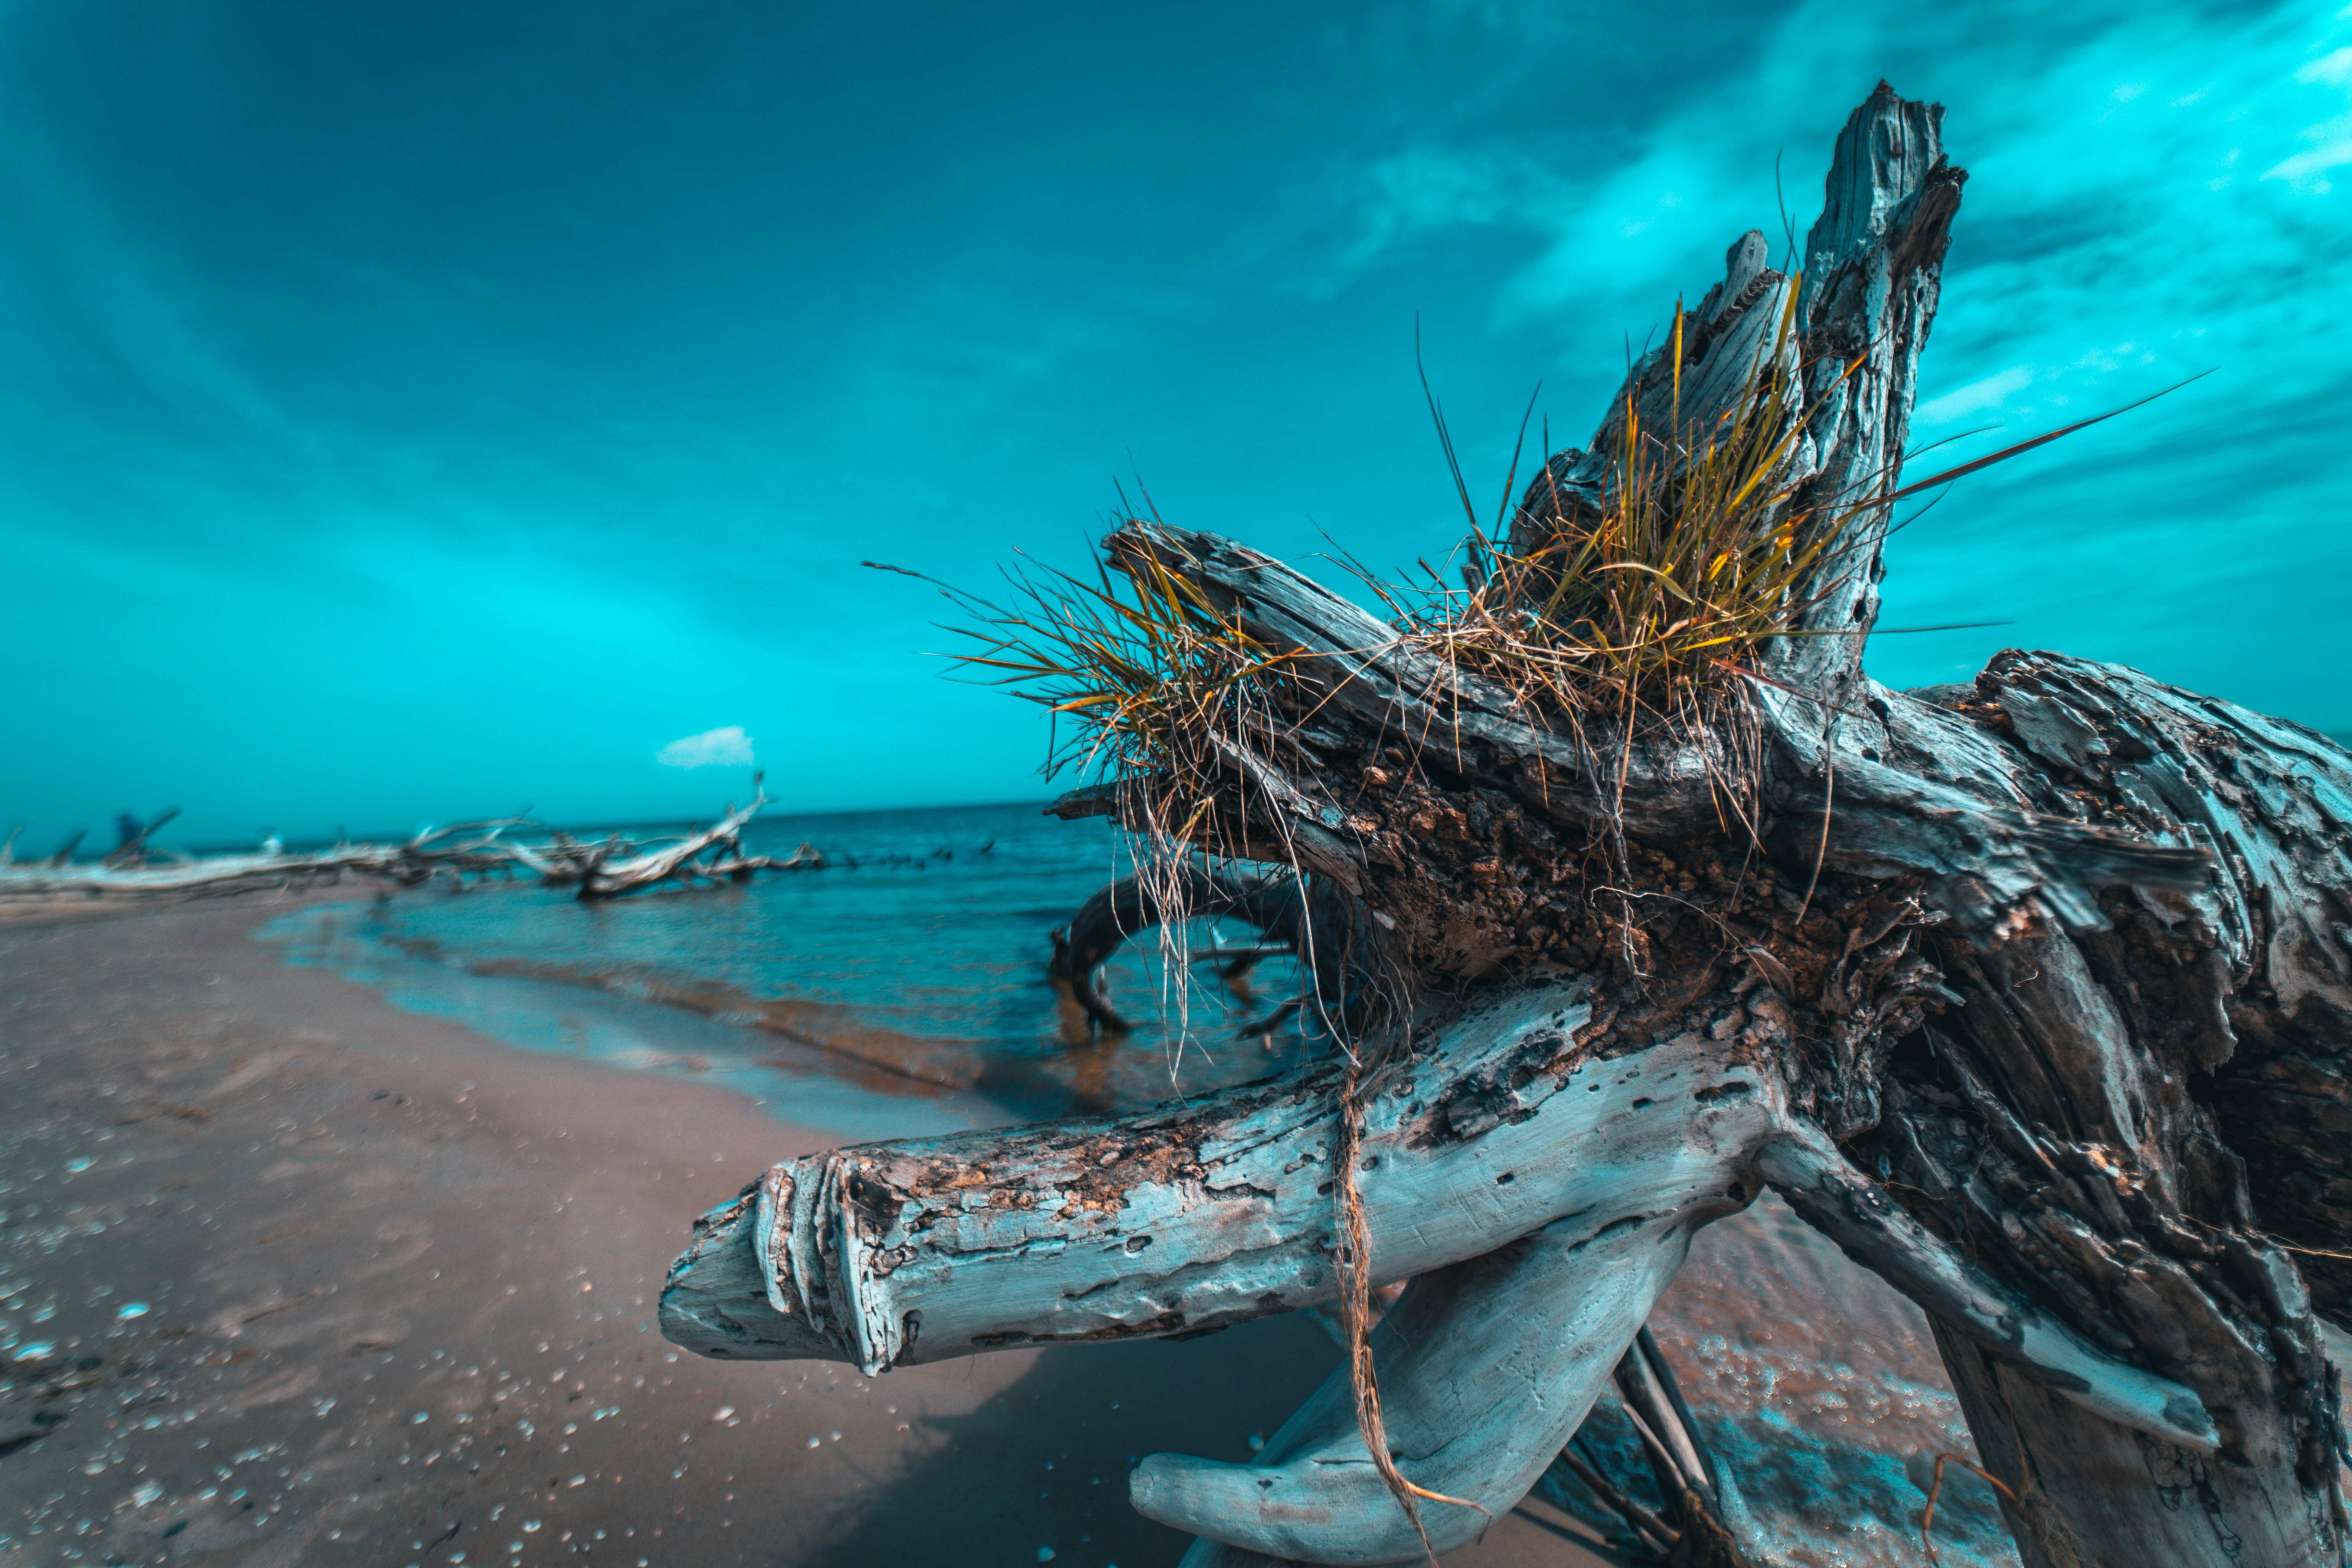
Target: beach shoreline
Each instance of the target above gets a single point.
(398, 1282)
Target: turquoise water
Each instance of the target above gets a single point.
(910, 974)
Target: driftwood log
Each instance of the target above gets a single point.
(2033, 994)
(481, 851)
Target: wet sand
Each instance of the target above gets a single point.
(398, 1285)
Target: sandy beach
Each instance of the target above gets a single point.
(296, 1277)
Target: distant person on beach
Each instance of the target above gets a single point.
(271, 844)
(127, 828)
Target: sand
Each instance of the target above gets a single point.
(323, 1282)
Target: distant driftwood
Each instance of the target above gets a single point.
(471, 852)
(2034, 993)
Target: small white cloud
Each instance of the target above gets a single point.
(727, 747)
(2308, 171)
(1425, 189)
(2334, 70)
(1990, 393)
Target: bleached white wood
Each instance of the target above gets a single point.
(1485, 1369)
(1851, 1210)
(1203, 1212)
(1207, 1211)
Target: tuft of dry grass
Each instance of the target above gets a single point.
(1697, 556)
(1135, 666)
(1148, 682)
(1707, 544)
(1699, 553)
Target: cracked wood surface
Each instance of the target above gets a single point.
(2119, 1117)
(1203, 1212)
(1592, 1170)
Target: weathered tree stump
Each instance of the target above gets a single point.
(2033, 994)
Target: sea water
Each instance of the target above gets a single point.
(912, 967)
(902, 991)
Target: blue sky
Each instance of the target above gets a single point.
(413, 410)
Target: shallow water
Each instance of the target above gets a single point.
(902, 992)
(914, 966)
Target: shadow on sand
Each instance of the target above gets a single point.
(1044, 1465)
(987, 1496)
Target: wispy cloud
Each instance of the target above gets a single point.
(2105, 164)
(1425, 188)
(726, 747)
(1975, 397)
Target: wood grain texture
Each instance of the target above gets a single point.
(1205, 1213)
